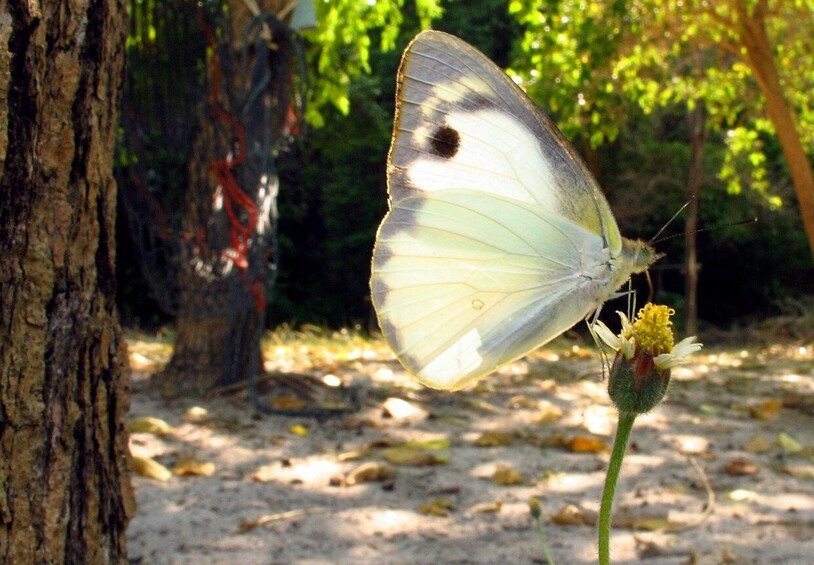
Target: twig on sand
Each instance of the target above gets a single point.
(248, 525)
(710, 505)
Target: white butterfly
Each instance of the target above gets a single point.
(498, 239)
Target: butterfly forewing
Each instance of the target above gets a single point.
(462, 123)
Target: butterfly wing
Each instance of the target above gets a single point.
(497, 239)
(466, 281)
(462, 123)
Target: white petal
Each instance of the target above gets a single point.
(668, 361)
(607, 336)
(628, 348)
(686, 346)
(625, 323)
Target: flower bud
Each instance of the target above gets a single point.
(636, 385)
(534, 508)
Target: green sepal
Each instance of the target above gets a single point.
(635, 386)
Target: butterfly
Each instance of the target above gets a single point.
(497, 238)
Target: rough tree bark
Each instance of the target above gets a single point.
(65, 495)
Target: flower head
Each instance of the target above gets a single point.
(652, 328)
(645, 354)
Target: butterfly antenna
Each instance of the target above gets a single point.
(670, 221)
(713, 228)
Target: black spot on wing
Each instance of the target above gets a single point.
(445, 142)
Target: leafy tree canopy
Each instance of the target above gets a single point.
(341, 43)
(587, 59)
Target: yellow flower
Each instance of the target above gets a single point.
(645, 353)
(650, 332)
(652, 328)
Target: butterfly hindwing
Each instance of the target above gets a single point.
(467, 281)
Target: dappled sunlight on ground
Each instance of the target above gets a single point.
(421, 476)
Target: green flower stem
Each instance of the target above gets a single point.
(623, 430)
(543, 544)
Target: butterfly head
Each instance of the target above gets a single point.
(638, 255)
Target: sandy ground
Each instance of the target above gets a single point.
(705, 479)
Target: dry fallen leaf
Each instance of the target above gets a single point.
(741, 495)
(571, 515)
(192, 466)
(587, 444)
(656, 524)
(767, 410)
(196, 414)
(480, 405)
(147, 467)
(488, 507)
(298, 430)
(412, 456)
(758, 444)
(353, 454)
(507, 476)
(493, 439)
(248, 525)
(437, 507)
(738, 467)
(800, 471)
(547, 414)
(433, 444)
(521, 401)
(400, 409)
(139, 362)
(148, 425)
(788, 443)
(369, 472)
(288, 402)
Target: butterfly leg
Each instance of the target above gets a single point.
(590, 320)
(631, 299)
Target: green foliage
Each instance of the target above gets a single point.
(334, 195)
(333, 192)
(588, 61)
(566, 63)
(755, 266)
(340, 46)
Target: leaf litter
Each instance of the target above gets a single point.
(434, 477)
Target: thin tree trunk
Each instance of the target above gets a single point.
(760, 58)
(694, 181)
(218, 303)
(65, 494)
(221, 303)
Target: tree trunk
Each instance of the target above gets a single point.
(760, 58)
(694, 181)
(223, 280)
(65, 495)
